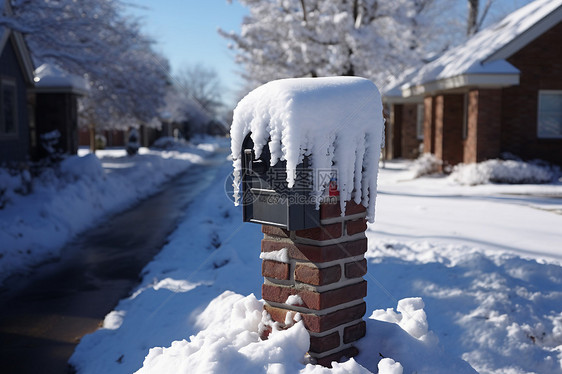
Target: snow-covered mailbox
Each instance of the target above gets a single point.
(307, 153)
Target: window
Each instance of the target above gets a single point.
(419, 121)
(549, 122)
(8, 112)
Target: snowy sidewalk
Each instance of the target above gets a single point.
(81, 191)
(519, 219)
(434, 300)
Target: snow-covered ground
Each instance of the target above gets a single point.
(461, 279)
(66, 200)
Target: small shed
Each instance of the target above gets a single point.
(56, 110)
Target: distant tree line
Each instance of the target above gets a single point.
(129, 82)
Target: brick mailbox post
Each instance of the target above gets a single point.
(304, 150)
(325, 269)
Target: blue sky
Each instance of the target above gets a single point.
(186, 33)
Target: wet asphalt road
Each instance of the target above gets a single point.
(43, 315)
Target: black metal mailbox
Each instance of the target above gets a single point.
(266, 197)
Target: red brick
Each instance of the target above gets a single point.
(274, 269)
(317, 276)
(334, 211)
(324, 232)
(279, 294)
(275, 231)
(354, 332)
(314, 253)
(316, 323)
(338, 356)
(448, 128)
(316, 300)
(343, 295)
(356, 269)
(409, 145)
(330, 211)
(352, 208)
(324, 343)
(356, 226)
(277, 314)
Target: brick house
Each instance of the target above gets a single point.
(500, 91)
(16, 78)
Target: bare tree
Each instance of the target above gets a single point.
(201, 84)
(475, 19)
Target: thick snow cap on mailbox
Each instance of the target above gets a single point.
(337, 121)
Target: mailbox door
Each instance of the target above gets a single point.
(266, 197)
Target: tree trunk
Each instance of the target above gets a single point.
(92, 129)
(472, 24)
(304, 18)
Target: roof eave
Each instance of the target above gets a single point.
(402, 99)
(462, 81)
(61, 89)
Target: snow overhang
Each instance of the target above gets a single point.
(50, 78)
(334, 122)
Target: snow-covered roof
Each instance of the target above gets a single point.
(392, 91)
(51, 78)
(481, 60)
(337, 121)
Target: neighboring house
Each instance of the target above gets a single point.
(38, 109)
(16, 78)
(500, 91)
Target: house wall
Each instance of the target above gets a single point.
(396, 128)
(15, 147)
(470, 142)
(401, 132)
(483, 136)
(410, 143)
(540, 64)
(489, 124)
(429, 125)
(449, 111)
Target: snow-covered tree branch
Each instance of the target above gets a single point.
(296, 38)
(95, 40)
(202, 84)
(376, 39)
